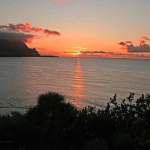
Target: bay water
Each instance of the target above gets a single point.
(83, 81)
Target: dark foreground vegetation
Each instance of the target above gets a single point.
(54, 124)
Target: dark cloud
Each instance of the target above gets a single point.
(128, 42)
(142, 47)
(93, 52)
(87, 52)
(104, 54)
(138, 49)
(122, 43)
(50, 32)
(28, 28)
(11, 35)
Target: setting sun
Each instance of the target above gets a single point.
(77, 53)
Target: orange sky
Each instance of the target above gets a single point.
(79, 28)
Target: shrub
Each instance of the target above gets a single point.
(96, 144)
(58, 125)
(122, 141)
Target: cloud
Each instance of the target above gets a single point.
(128, 42)
(138, 49)
(50, 32)
(142, 47)
(27, 28)
(145, 38)
(11, 35)
(104, 54)
(91, 53)
(122, 43)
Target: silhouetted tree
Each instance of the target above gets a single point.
(57, 125)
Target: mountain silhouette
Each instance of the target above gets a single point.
(16, 48)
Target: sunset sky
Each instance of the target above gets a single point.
(97, 28)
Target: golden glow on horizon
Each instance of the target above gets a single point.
(74, 48)
(77, 53)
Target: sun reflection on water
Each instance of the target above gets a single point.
(78, 85)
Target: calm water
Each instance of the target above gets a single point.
(84, 81)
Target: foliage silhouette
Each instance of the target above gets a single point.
(96, 144)
(122, 141)
(57, 125)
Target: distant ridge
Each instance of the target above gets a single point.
(16, 48)
(49, 56)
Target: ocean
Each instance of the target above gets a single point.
(83, 81)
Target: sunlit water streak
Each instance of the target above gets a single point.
(78, 86)
(84, 81)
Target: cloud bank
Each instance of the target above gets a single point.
(103, 54)
(24, 32)
(142, 47)
(9, 35)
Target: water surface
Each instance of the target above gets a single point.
(84, 81)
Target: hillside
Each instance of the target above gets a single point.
(16, 49)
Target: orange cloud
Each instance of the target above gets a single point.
(24, 32)
(28, 28)
(142, 42)
(145, 38)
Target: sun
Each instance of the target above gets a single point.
(77, 53)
